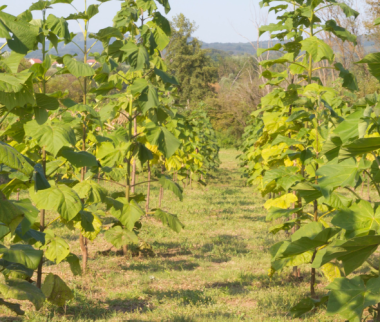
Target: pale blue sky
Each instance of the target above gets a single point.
(218, 20)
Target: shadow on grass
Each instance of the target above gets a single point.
(185, 297)
(93, 311)
(87, 309)
(164, 265)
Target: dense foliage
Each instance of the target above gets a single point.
(56, 149)
(309, 147)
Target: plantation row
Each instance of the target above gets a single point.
(58, 151)
(309, 147)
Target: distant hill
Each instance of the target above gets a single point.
(216, 49)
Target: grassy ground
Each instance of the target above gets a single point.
(214, 270)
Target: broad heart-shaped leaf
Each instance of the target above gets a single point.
(359, 147)
(10, 215)
(56, 290)
(160, 36)
(350, 297)
(24, 35)
(32, 236)
(349, 80)
(373, 61)
(60, 198)
(56, 248)
(89, 224)
(138, 56)
(15, 270)
(52, 135)
(46, 102)
(91, 191)
(346, 173)
(167, 143)
(14, 159)
(39, 178)
(166, 5)
(275, 213)
(348, 129)
(339, 31)
(285, 177)
(75, 267)
(318, 49)
(120, 237)
(77, 68)
(79, 159)
(30, 213)
(172, 186)
(300, 245)
(308, 191)
(170, 220)
(16, 90)
(148, 99)
(22, 254)
(109, 154)
(360, 218)
(166, 78)
(129, 214)
(21, 290)
(278, 264)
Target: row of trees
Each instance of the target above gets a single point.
(310, 147)
(56, 152)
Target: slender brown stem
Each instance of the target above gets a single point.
(148, 192)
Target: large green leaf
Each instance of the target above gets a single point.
(109, 154)
(360, 218)
(22, 254)
(307, 305)
(46, 102)
(129, 214)
(348, 129)
(137, 55)
(91, 191)
(350, 297)
(52, 135)
(22, 290)
(352, 253)
(170, 220)
(172, 186)
(275, 213)
(79, 159)
(24, 35)
(56, 249)
(346, 173)
(77, 68)
(167, 143)
(373, 61)
(285, 177)
(60, 198)
(318, 49)
(30, 213)
(120, 237)
(56, 290)
(10, 215)
(359, 147)
(14, 159)
(89, 224)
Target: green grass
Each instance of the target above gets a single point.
(214, 270)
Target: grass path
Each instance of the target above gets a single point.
(214, 270)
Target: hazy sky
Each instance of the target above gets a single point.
(218, 20)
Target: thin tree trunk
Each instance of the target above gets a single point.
(368, 190)
(42, 224)
(134, 159)
(148, 192)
